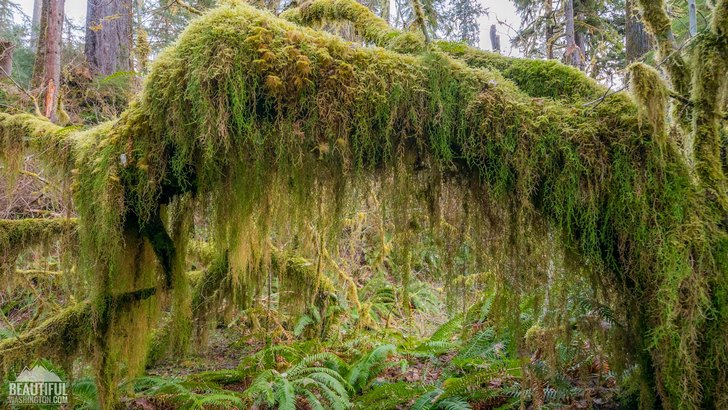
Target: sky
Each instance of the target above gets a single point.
(502, 10)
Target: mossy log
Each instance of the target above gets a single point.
(64, 336)
(245, 106)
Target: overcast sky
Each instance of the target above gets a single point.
(502, 10)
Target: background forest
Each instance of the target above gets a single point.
(389, 277)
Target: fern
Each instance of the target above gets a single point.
(369, 366)
(447, 330)
(303, 322)
(187, 395)
(427, 400)
(309, 379)
(453, 403)
(390, 396)
(85, 395)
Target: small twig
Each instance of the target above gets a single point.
(187, 7)
(36, 176)
(603, 97)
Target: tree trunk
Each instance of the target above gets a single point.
(693, 16)
(495, 39)
(109, 36)
(35, 23)
(6, 58)
(573, 55)
(47, 69)
(637, 39)
(549, 15)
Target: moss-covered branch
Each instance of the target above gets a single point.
(19, 234)
(265, 118)
(61, 337)
(66, 335)
(659, 24)
(710, 77)
(536, 78)
(368, 25)
(22, 131)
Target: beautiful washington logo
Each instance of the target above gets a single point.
(37, 386)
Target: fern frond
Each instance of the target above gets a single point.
(369, 366)
(427, 400)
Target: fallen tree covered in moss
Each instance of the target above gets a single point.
(269, 120)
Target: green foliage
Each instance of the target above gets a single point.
(186, 395)
(390, 396)
(308, 379)
(369, 366)
(435, 401)
(84, 393)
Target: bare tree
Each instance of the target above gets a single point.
(47, 69)
(109, 36)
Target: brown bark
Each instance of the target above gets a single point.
(637, 40)
(573, 55)
(6, 58)
(550, 31)
(47, 69)
(109, 36)
(35, 23)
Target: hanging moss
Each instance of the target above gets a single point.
(17, 132)
(17, 235)
(654, 14)
(651, 95)
(709, 78)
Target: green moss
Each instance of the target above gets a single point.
(650, 93)
(21, 131)
(17, 235)
(62, 338)
(367, 24)
(654, 14)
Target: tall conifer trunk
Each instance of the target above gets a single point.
(109, 36)
(47, 69)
